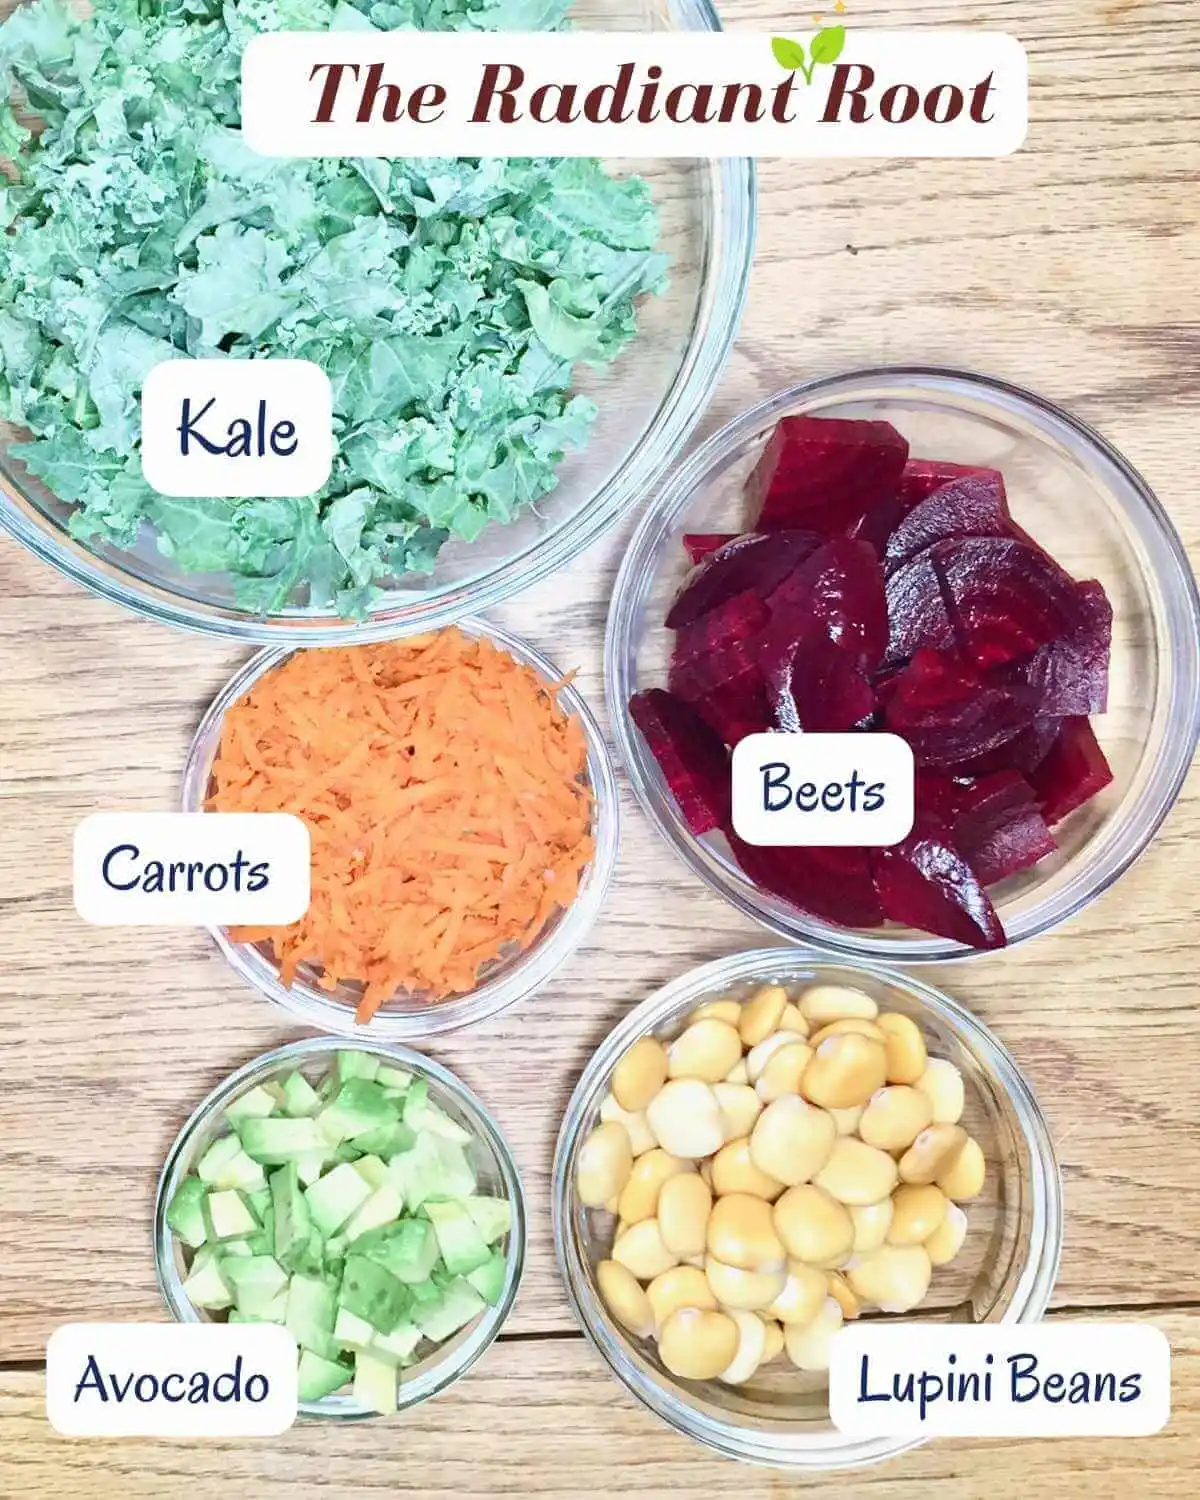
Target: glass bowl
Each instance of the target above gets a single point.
(1077, 497)
(489, 1154)
(506, 981)
(649, 400)
(1004, 1273)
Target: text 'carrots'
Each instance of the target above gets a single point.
(445, 792)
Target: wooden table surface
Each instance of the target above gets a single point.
(1074, 268)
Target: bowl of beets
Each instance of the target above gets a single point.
(934, 555)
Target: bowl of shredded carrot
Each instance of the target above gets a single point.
(462, 810)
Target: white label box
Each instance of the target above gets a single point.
(171, 1380)
(192, 869)
(852, 790)
(236, 427)
(1055, 1379)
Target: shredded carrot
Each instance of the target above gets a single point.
(446, 795)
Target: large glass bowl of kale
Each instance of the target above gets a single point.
(517, 348)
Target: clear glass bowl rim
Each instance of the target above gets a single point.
(1181, 621)
(520, 979)
(721, 301)
(442, 1373)
(1044, 1251)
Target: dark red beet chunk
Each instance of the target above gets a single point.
(925, 882)
(949, 713)
(1070, 675)
(999, 828)
(738, 619)
(699, 544)
(824, 474)
(971, 506)
(1024, 753)
(1005, 598)
(833, 884)
(917, 613)
(752, 562)
(839, 588)
(922, 476)
(1072, 773)
(690, 755)
(819, 688)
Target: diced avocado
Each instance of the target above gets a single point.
(421, 1114)
(415, 1099)
(382, 1207)
(277, 1140)
(458, 1304)
(375, 1383)
(434, 1168)
(274, 1311)
(259, 1200)
(293, 1223)
(373, 1293)
(317, 1377)
(387, 1141)
(408, 1249)
(333, 1198)
(207, 1287)
(488, 1279)
(256, 1281)
(425, 1293)
(185, 1213)
(393, 1078)
(257, 1102)
(228, 1215)
(311, 1166)
(299, 1096)
(222, 1150)
(355, 1064)
(236, 1248)
(312, 1306)
(396, 1347)
(309, 1258)
(492, 1216)
(358, 1108)
(353, 1332)
(373, 1171)
(463, 1247)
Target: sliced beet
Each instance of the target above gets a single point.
(1024, 753)
(974, 505)
(819, 688)
(940, 795)
(1072, 773)
(738, 619)
(999, 828)
(1070, 674)
(839, 588)
(699, 544)
(726, 688)
(832, 884)
(691, 756)
(949, 712)
(925, 882)
(1005, 598)
(824, 473)
(752, 562)
(877, 525)
(917, 613)
(922, 476)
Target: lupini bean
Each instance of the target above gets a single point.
(758, 1057)
(761, 1014)
(823, 1003)
(605, 1162)
(792, 1020)
(808, 1344)
(916, 1214)
(895, 1278)
(871, 1224)
(696, 1344)
(895, 1117)
(752, 1345)
(933, 1152)
(734, 1171)
(741, 1233)
(706, 1050)
(639, 1199)
(963, 1180)
(792, 1140)
(947, 1239)
(943, 1084)
(842, 1293)
(728, 1011)
(624, 1298)
(739, 1073)
(773, 1346)
(684, 1205)
(847, 1120)
(686, 1118)
(682, 1286)
(803, 1292)
(814, 1227)
(637, 1127)
(640, 1249)
(752, 1291)
(740, 1107)
(783, 1072)
(905, 1045)
(847, 1025)
(845, 1070)
(640, 1074)
(856, 1173)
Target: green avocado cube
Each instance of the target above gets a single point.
(229, 1216)
(206, 1287)
(299, 1096)
(352, 1332)
(257, 1102)
(462, 1246)
(257, 1281)
(292, 1222)
(372, 1292)
(387, 1141)
(458, 1304)
(215, 1157)
(375, 1383)
(382, 1207)
(353, 1063)
(489, 1278)
(311, 1309)
(493, 1216)
(359, 1107)
(317, 1377)
(408, 1249)
(185, 1212)
(332, 1199)
(396, 1347)
(373, 1170)
(397, 1079)
(275, 1141)
(434, 1168)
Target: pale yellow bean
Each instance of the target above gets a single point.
(845, 1070)
(741, 1233)
(803, 1292)
(783, 1072)
(684, 1205)
(964, 1178)
(871, 1224)
(682, 1286)
(739, 1073)
(624, 1298)
(613, 1206)
(943, 1084)
(823, 1003)
(792, 1020)
(895, 1278)
(843, 1294)
(697, 1344)
(750, 1290)
(686, 1118)
(604, 1164)
(847, 1120)
(895, 1117)
(728, 1011)
(640, 1074)
(792, 1140)
(933, 1153)
(752, 1346)
(905, 1045)
(947, 1239)
(740, 1107)
(916, 1213)
(761, 1014)
(857, 1174)
(639, 1199)
(808, 1344)
(846, 1026)
(637, 1127)
(814, 1227)
(773, 1346)
(706, 1050)
(758, 1057)
(734, 1171)
(640, 1249)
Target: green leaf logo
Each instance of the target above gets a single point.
(827, 45)
(788, 54)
